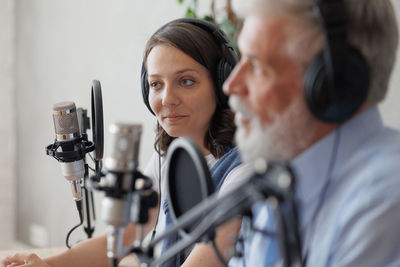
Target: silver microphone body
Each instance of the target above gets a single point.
(67, 130)
(120, 167)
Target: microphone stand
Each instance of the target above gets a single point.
(89, 211)
(276, 184)
(89, 208)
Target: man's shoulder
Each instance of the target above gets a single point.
(377, 155)
(374, 170)
(363, 209)
(370, 179)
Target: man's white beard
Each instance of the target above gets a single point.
(287, 135)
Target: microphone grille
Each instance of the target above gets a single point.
(65, 121)
(125, 140)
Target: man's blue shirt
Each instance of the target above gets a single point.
(348, 193)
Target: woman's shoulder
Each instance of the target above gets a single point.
(210, 160)
(238, 171)
(238, 175)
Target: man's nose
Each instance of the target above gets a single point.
(235, 83)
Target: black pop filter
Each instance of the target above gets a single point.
(97, 120)
(188, 178)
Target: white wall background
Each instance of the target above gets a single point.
(50, 51)
(7, 125)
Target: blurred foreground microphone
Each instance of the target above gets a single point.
(120, 169)
(128, 194)
(69, 147)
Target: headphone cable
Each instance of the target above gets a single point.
(153, 234)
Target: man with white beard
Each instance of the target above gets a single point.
(306, 91)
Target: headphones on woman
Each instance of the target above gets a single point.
(337, 80)
(224, 67)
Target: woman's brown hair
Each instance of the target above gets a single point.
(202, 47)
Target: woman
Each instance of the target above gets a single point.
(187, 99)
(185, 64)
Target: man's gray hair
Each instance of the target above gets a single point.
(372, 29)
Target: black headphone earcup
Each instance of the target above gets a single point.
(337, 101)
(224, 69)
(314, 78)
(145, 88)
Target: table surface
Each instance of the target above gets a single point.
(129, 261)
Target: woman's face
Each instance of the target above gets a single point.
(181, 93)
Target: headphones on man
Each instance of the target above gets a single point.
(224, 67)
(337, 80)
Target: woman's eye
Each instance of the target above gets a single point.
(155, 85)
(187, 82)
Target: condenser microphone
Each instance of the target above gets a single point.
(120, 169)
(68, 140)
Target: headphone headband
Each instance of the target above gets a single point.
(332, 15)
(218, 35)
